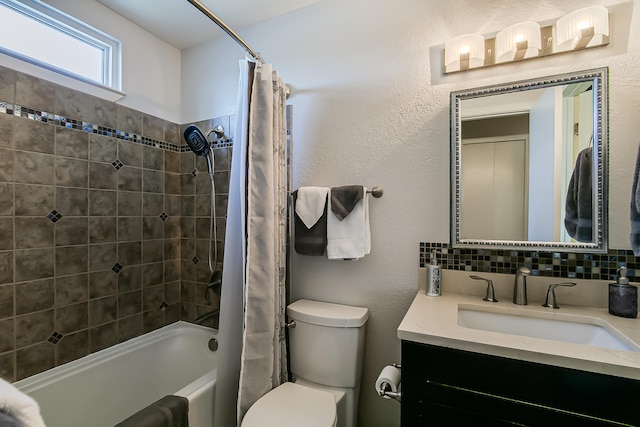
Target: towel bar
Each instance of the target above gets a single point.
(376, 192)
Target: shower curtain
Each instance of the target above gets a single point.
(261, 143)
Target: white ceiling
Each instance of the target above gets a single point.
(179, 23)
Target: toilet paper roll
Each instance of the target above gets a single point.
(389, 375)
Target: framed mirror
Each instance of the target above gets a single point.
(529, 164)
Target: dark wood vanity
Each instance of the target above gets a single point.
(455, 375)
(449, 387)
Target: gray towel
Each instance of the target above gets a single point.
(344, 199)
(635, 209)
(578, 218)
(309, 241)
(7, 420)
(170, 411)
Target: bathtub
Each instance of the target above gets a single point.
(104, 388)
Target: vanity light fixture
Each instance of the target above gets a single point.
(519, 41)
(464, 52)
(581, 29)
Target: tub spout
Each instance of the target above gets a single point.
(203, 318)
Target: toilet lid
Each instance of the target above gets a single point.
(292, 405)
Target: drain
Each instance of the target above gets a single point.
(213, 344)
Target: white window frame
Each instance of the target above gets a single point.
(59, 21)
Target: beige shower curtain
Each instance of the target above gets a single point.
(263, 361)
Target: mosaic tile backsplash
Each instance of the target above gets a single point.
(104, 221)
(550, 264)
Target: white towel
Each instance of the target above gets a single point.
(351, 237)
(310, 204)
(18, 405)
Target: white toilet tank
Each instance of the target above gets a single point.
(327, 343)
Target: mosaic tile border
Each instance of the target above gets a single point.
(549, 264)
(77, 124)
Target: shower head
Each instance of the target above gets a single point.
(196, 140)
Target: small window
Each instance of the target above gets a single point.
(39, 34)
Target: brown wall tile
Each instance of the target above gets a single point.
(6, 199)
(71, 231)
(103, 310)
(7, 84)
(103, 336)
(103, 175)
(72, 172)
(6, 301)
(130, 327)
(34, 328)
(6, 233)
(153, 158)
(33, 264)
(33, 168)
(34, 136)
(71, 289)
(34, 200)
(72, 318)
(71, 201)
(34, 296)
(102, 148)
(33, 232)
(6, 335)
(102, 229)
(71, 259)
(7, 366)
(34, 359)
(6, 165)
(6, 267)
(102, 284)
(71, 143)
(72, 347)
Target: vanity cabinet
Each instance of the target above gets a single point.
(449, 387)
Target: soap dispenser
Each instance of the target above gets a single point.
(433, 277)
(623, 297)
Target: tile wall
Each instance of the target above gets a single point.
(195, 216)
(550, 264)
(102, 212)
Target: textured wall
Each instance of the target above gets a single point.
(371, 106)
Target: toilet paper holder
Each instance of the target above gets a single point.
(385, 389)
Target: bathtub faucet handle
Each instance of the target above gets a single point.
(215, 284)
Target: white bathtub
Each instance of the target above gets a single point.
(104, 388)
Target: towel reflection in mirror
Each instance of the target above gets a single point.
(578, 219)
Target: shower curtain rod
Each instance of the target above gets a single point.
(202, 8)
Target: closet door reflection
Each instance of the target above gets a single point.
(494, 188)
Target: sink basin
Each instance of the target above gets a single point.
(577, 330)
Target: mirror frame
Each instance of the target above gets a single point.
(599, 77)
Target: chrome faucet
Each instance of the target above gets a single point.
(520, 286)
(489, 294)
(551, 291)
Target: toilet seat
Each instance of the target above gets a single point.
(292, 405)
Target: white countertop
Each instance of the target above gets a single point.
(434, 320)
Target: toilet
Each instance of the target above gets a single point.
(325, 353)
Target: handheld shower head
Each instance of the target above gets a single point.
(196, 140)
